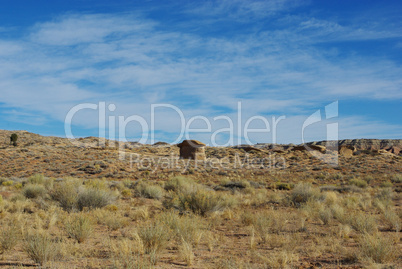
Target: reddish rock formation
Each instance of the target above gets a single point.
(346, 150)
(192, 149)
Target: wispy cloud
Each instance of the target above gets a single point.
(131, 61)
(241, 10)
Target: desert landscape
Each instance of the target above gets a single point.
(212, 134)
(95, 203)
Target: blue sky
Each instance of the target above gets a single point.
(278, 58)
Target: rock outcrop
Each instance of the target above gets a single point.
(346, 150)
(319, 148)
(192, 149)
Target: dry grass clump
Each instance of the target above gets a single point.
(32, 191)
(391, 218)
(281, 259)
(186, 195)
(94, 198)
(203, 201)
(40, 179)
(19, 204)
(264, 224)
(339, 213)
(7, 183)
(186, 252)
(331, 198)
(377, 248)
(362, 222)
(386, 184)
(154, 237)
(139, 214)
(355, 201)
(185, 228)
(2, 203)
(396, 178)
(304, 192)
(325, 215)
(358, 182)
(211, 240)
(180, 184)
(113, 220)
(126, 253)
(66, 193)
(385, 195)
(79, 227)
(40, 247)
(149, 191)
(99, 184)
(10, 235)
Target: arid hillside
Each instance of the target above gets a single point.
(96, 158)
(89, 203)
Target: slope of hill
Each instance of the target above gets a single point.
(94, 158)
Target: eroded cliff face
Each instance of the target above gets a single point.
(390, 145)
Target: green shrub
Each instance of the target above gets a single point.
(34, 191)
(94, 198)
(13, 139)
(79, 227)
(66, 193)
(37, 179)
(98, 184)
(40, 179)
(7, 183)
(369, 179)
(126, 193)
(386, 184)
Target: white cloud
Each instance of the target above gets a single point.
(77, 29)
